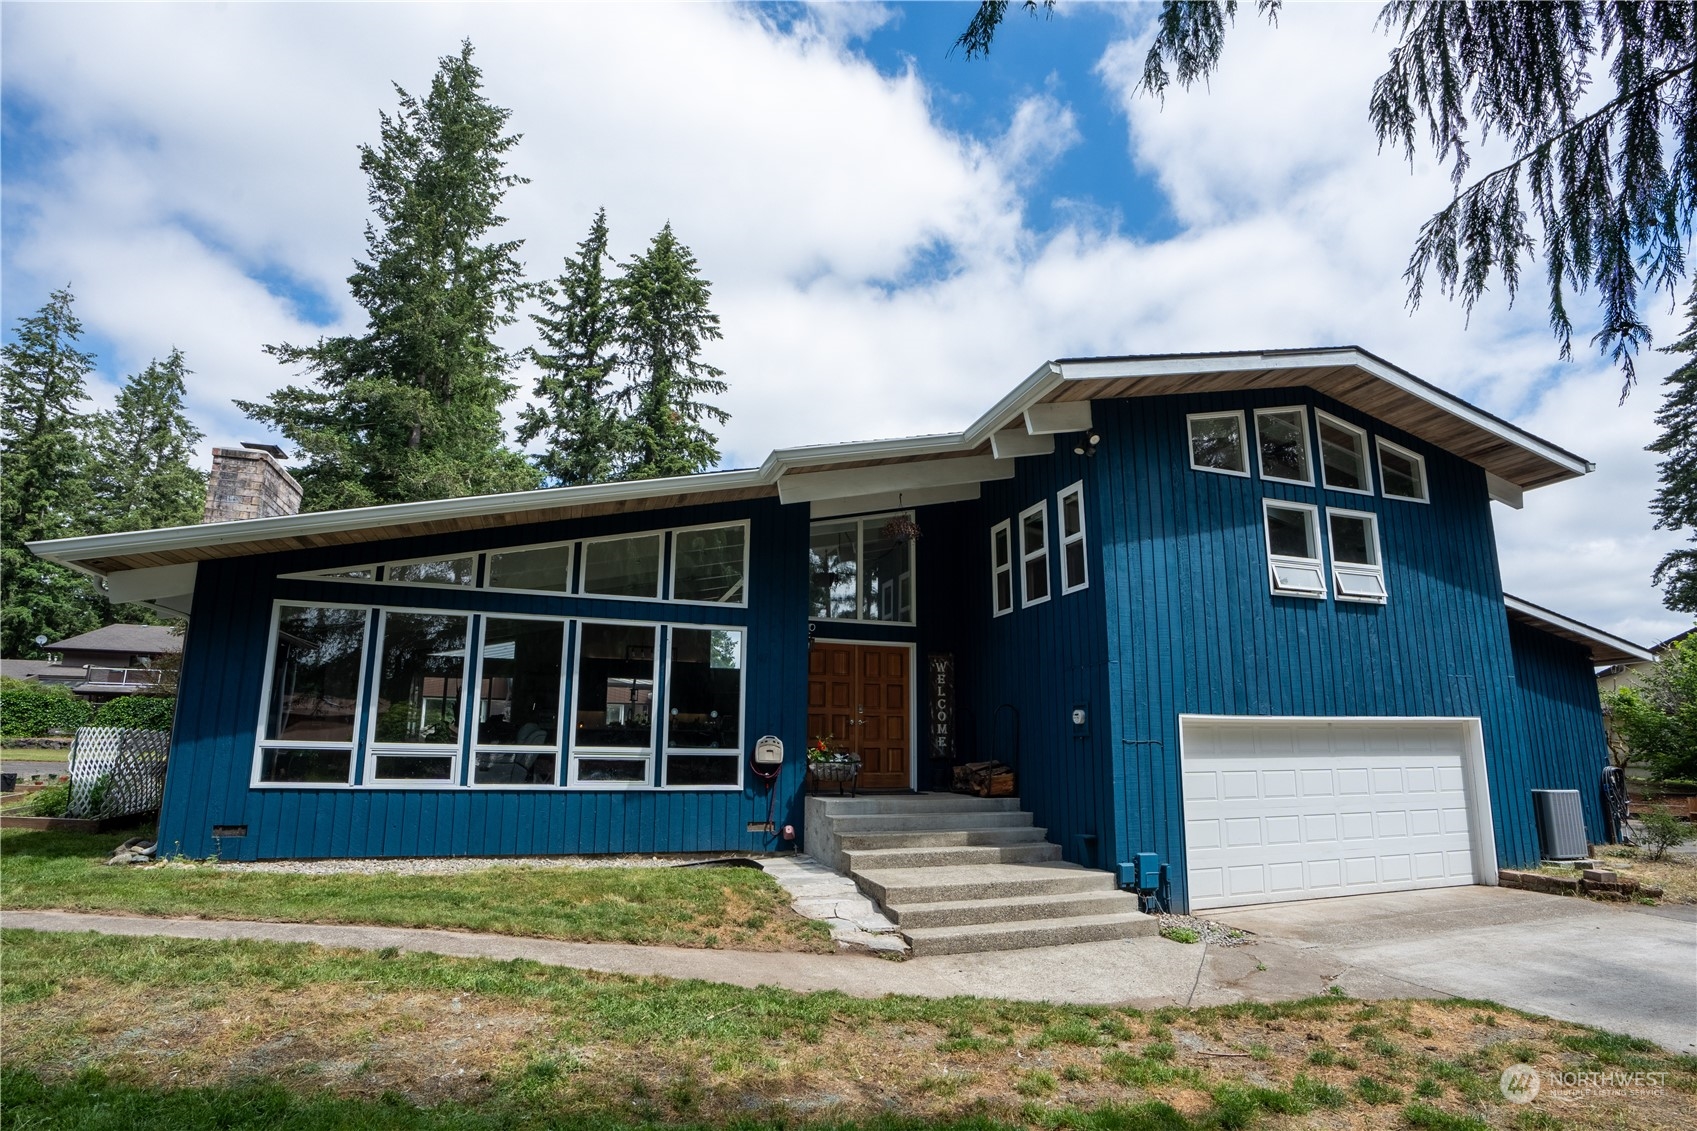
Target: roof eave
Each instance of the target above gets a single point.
(1605, 647)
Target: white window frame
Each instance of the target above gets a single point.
(1005, 529)
(566, 672)
(1307, 444)
(664, 718)
(1025, 599)
(1377, 569)
(1366, 453)
(571, 546)
(1419, 461)
(352, 746)
(1242, 442)
(1068, 539)
(476, 557)
(580, 567)
(374, 676)
(672, 564)
(860, 522)
(568, 725)
(323, 575)
(1317, 563)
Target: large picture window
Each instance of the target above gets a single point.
(710, 564)
(519, 683)
(415, 718)
(622, 567)
(613, 724)
(312, 701)
(704, 707)
(861, 569)
(1034, 555)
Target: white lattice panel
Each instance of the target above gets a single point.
(116, 771)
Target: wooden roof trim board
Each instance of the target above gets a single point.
(1604, 647)
(1351, 375)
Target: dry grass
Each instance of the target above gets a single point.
(563, 1042)
(1675, 875)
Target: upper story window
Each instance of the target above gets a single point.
(1281, 443)
(622, 567)
(709, 564)
(1034, 555)
(1217, 443)
(1402, 473)
(1293, 549)
(1001, 568)
(1074, 571)
(1357, 569)
(1343, 456)
(312, 695)
(534, 569)
(860, 569)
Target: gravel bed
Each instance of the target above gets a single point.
(432, 866)
(1215, 934)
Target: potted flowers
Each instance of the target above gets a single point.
(827, 760)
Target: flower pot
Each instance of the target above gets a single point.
(834, 770)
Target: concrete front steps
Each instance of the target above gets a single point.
(960, 874)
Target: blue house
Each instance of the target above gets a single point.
(1239, 611)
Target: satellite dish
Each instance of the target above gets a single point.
(40, 640)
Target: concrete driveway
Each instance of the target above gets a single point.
(1622, 967)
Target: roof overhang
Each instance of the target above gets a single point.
(1604, 647)
(157, 566)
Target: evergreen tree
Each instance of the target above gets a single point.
(577, 418)
(1613, 188)
(411, 409)
(666, 322)
(141, 474)
(1675, 504)
(43, 478)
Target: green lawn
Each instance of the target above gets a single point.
(739, 908)
(107, 1032)
(31, 754)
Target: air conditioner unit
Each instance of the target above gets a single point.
(1561, 824)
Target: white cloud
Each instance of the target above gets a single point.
(206, 147)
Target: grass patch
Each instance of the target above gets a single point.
(1181, 934)
(33, 754)
(742, 908)
(1376, 1091)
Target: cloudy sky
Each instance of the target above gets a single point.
(895, 235)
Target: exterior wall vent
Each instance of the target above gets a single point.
(1561, 824)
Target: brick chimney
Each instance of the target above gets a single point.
(250, 482)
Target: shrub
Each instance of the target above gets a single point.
(143, 712)
(30, 710)
(1662, 831)
(53, 801)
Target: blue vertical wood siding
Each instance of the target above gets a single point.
(1567, 747)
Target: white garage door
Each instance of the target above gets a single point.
(1278, 809)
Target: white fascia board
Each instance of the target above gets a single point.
(1549, 616)
(893, 500)
(1504, 492)
(1009, 444)
(155, 583)
(1060, 416)
(885, 478)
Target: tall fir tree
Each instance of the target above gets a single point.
(411, 409)
(1675, 504)
(43, 478)
(576, 417)
(140, 451)
(665, 325)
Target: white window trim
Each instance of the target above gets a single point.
(1318, 563)
(571, 546)
(1005, 528)
(672, 571)
(1025, 599)
(1425, 495)
(1366, 453)
(1307, 444)
(319, 575)
(580, 567)
(1242, 442)
(568, 726)
(476, 568)
(1375, 570)
(1067, 540)
(261, 743)
(860, 521)
(373, 748)
(566, 672)
(667, 749)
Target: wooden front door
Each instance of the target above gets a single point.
(861, 695)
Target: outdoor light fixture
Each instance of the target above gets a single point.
(1087, 446)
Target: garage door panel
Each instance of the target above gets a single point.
(1280, 810)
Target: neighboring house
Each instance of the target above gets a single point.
(1241, 611)
(119, 659)
(1615, 677)
(43, 671)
